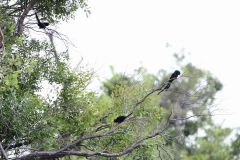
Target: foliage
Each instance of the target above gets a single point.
(212, 145)
(191, 94)
(235, 147)
(71, 122)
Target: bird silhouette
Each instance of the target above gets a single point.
(174, 76)
(171, 79)
(42, 25)
(121, 119)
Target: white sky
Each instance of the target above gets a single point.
(131, 33)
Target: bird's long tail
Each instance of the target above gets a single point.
(129, 114)
(37, 18)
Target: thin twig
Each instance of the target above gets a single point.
(165, 151)
(159, 152)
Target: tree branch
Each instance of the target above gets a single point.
(159, 90)
(4, 155)
(50, 35)
(69, 150)
(23, 16)
(16, 145)
(64, 152)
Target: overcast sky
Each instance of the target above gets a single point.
(132, 33)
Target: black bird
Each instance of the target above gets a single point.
(120, 119)
(172, 78)
(42, 25)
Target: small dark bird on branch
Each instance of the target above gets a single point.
(121, 119)
(174, 76)
(42, 25)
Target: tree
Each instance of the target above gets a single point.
(212, 145)
(52, 10)
(235, 146)
(190, 96)
(72, 121)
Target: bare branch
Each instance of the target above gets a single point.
(16, 145)
(170, 157)
(1, 40)
(50, 35)
(159, 90)
(4, 154)
(159, 152)
(86, 137)
(65, 152)
(23, 16)
(52, 154)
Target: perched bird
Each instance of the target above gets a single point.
(42, 25)
(174, 76)
(120, 119)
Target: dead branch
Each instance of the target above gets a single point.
(50, 35)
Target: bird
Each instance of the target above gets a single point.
(174, 76)
(42, 25)
(121, 119)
